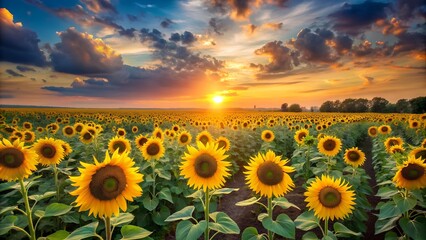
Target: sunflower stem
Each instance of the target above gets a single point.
(206, 214)
(108, 232)
(55, 172)
(328, 164)
(154, 175)
(270, 234)
(27, 209)
(326, 227)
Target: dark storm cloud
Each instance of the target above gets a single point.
(354, 19)
(13, 73)
(409, 42)
(98, 6)
(186, 38)
(281, 57)
(218, 25)
(25, 69)
(408, 9)
(18, 44)
(312, 46)
(166, 23)
(130, 32)
(343, 44)
(80, 53)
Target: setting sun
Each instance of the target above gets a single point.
(217, 99)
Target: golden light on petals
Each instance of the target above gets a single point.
(16, 161)
(411, 174)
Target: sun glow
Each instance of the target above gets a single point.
(217, 99)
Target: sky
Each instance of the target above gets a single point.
(184, 54)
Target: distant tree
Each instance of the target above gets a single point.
(330, 106)
(295, 108)
(390, 108)
(284, 107)
(348, 105)
(402, 106)
(361, 105)
(378, 104)
(418, 104)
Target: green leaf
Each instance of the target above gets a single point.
(134, 232)
(414, 228)
(186, 230)
(391, 236)
(197, 194)
(309, 236)
(86, 231)
(123, 218)
(159, 216)
(251, 233)
(307, 221)
(163, 174)
(58, 235)
(183, 214)
(224, 191)
(56, 209)
(248, 202)
(283, 226)
(165, 194)
(7, 223)
(283, 203)
(404, 204)
(341, 230)
(388, 210)
(150, 203)
(71, 218)
(223, 223)
(384, 225)
(261, 216)
(42, 196)
(9, 186)
(8, 209)
(39, 213)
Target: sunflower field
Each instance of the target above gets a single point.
(149, 174)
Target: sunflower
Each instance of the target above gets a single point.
(49, 150)
(372, 131)
(153, 149)
(78, 127)
(392, 141)
(27, 125)
(16, 161)
(175, 128)
(419, 153)
(121, 132)
(66, 146)
(224, 143)
(29, 136)
(385, 129)
(329, 146)
(300, 135)
(141, 140)
(184, 138)
(119, 143)
(40, 129)
(411, 174)
(86, 136)
(396, 149)
(158, 133)
(267, 174)
(414, 124)
(103, 188)
(268, 136)
(68, 131)
(205, 137)
(354, 157)
(135, 129)
(330, 198)
(205, 167)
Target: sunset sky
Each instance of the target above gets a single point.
(173, 54)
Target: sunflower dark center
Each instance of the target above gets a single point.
(268, 135)
(108, 182)
(353, 156)
(120, 146)
(175, 129)
(48, 151)
(87, 136)
(205, 165)
(79, 128)
(270, 173)
(421, 154)
(330, 197)
(121, 133)
(142, 141)
(329, 144)
(301, 136)
(28, 136)
(412, 172)
(222, 144)
(393, 142)
(158, 135)
(183, 138)
(27, 126)
(415, 124)
(373, 131)
(153, 149)
(204, 139)
(68, 130)
(385, 129)
(11, 158)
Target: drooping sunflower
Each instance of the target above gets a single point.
(205, 137)
(205, 167)
(119, 143)
(354, 157)
(268, 136)
(385, 129)
(267, 175)
(419, 153)
(392, 141)
(141, 140)
(300, 135)
(66, 146)
(68, 131)
(396, 149)
(330, 198)
(49, 151)
(184, 138)
(411, 174)
(103, 188)
(372, 131)
(158, 133)
(329, 146)
(224, 143)
(16, 161)
(153, 149)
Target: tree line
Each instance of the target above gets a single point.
(359, 105)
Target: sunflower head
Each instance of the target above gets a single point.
(354, 157)
(49, 150)
(392, 141)
(385, 129)
(300, 135)
(78, 127)
(411, 174)
(68, 131)
(268, 136)
(86, 136)
(119, 143)
(372, 131)
(153, 149)
(103, 188)
(29, 136)
(223, 142)
(329, 146)
(205, 166)
(330, 198)
(396, 149)
(121, 132)
(205, 137)
(16, 161)
(414, 124)
(419, 153)
(135, 129)
(141, 140)
(158, 133)
(184, 138)
(268, 176)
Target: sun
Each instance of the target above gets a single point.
(217, 99)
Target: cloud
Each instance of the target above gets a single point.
(166, 23)
(81, 53)
(6, 95)
(354, 19)
(18, 44)
(218, 25)
(367, 80)
(98, 6)
(313, 45)
(410, 42)
(408, 9)
(132, 18)
(13, 73)
(343, 44)
(281, 58)
(186, 38)
(25, 69)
